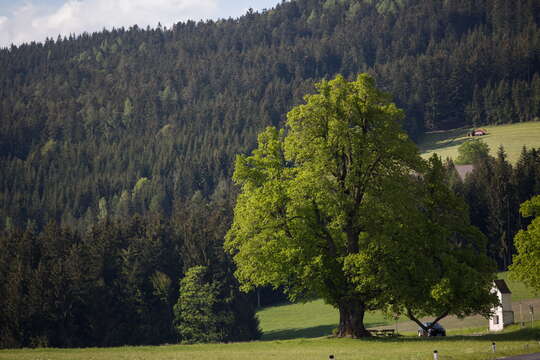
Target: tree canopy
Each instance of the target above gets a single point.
(527, 242)
(472, 150)
(320, 204)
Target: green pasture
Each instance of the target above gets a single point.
(315, 318)
(512, 341)
(513, 137)
(309, 320)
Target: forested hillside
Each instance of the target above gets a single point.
(134, 120)
(117, 148)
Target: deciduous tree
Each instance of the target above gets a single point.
(309, 194)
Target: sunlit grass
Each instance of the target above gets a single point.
(315, 319)
(509, 342)
(513, 137)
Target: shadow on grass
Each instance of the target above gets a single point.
(311, 332)
(524, 334)
(454, 137)
(437, 146)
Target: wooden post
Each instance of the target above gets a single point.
(520, 315)
(435, 355)
(493, 347)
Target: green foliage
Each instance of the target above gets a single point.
(331, 209)
(64, 289)
(494, 191)
(117, 282)
(210, 310)
(453, 276)
(527, 242)
(162, 286)
(140, 184)
(471, 151)
(195, 317)
(127, 114)
(103, 210)
(308, 197)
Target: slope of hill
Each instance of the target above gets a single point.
(512, 137)
(139, 119)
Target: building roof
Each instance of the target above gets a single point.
(464, 170)
(501, 285)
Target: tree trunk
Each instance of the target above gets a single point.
(351, 319)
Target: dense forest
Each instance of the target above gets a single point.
(117, 147)
(131, 120)
(494, 191)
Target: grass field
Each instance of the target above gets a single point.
(315, 319)
(512, 137)
(511, 341)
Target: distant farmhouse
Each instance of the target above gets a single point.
(478, 132)
(503, 314)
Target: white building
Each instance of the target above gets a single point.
(502, 315)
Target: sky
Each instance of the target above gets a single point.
(34, 20)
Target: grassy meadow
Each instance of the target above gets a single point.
(315, 318)
(513, 137)
(511, 341)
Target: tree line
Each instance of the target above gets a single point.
(137, 281)
(494, 191)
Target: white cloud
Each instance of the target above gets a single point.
(32, 21)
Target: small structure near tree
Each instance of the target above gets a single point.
(503, 315)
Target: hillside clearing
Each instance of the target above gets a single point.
(513, 137)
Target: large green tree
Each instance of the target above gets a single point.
(310, 193)
(527, 242)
